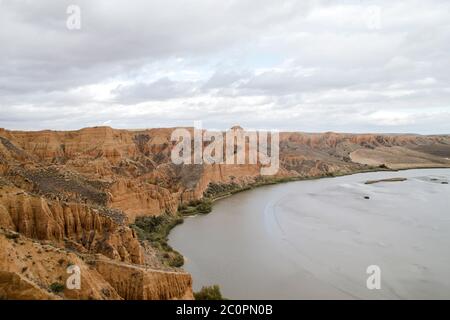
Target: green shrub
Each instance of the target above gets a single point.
(204, 207)
(57, 287)
(196, 207)
(209, 293)
(175, 259)
(156, 229)
(12, 236)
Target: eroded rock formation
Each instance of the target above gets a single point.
(68, 197)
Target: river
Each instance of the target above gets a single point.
(315, 239)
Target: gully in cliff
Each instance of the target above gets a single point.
(235, 147)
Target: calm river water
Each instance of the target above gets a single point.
(315, 239)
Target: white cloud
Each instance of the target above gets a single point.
(296, 65)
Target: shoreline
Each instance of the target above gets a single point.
(309, 178)
(156, 229)
(251, 216)
(280, 181)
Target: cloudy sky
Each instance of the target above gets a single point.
(344, 65)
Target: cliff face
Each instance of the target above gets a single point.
(137, 283)
(28, 269)
(141, 198)
(132, 170)
(90, 230)
(70, 196)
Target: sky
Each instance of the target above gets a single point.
(319, 65)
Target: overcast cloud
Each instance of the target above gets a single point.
(349, 65)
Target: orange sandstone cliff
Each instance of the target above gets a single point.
(69, 197)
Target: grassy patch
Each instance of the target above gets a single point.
(12, 236)
(219, 190)
(155, 230)
(209, 293)
(196, 207)
(56, 287)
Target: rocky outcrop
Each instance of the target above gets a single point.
(29, 268)
(132, 171)
(140, 198)
(14, 286)
(69, 196)
(93, 230)
(138, 283)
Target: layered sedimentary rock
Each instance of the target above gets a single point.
(71, 195)
(141, 198)
(138, 283)
(91, 230)
(29, 268)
